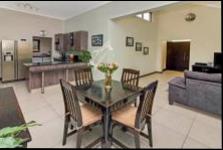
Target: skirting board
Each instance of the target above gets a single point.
(148, 74)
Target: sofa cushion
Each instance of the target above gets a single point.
(211, 77)
(178, 81)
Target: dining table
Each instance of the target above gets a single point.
(108, 101)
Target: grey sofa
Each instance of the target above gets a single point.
(199, 90)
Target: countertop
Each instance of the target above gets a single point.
(31, 64)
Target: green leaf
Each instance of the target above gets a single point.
(8, 135)
(85, 56)
(10, 142)
(12, 131)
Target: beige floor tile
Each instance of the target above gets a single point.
(58, 108)
(48, 135)
(57, 98)
(164, 137)
(32, 103)
(191, 143)
(184, 110)
(88, 137)
(207, 134)
(174, 126)
(210, 119)
(45, 114)
(173, 120)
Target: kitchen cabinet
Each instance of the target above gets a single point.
(73, 40)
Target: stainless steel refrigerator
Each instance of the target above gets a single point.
(13, 55)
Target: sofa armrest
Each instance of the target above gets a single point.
(178, 82)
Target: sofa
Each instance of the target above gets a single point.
(198, 90)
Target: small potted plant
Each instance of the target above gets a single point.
(108, 69)
(9, 135)
(85, 56)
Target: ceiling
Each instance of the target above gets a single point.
(54, 9)
(216, 4)
(66, 9)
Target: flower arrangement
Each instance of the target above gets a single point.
(108, 69)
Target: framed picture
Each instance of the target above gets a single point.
(138, 46)
(97, 40)
(146, 50)
(129, 41)
(36, 45)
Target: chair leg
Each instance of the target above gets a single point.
(135, 104)
(66, 121)
(137, 139)
(79, 138)
(111, 129)
(149, 127)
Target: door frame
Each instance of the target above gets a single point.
(188, 56)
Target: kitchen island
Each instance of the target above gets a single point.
(39, 75)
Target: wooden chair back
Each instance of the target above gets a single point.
(71, 102)
(146, 103)
(130, 78)
(83, 77)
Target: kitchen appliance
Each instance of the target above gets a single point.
(8, 60)
(24, 54)
(13, 55)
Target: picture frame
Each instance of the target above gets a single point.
(129, 41)
(97, 40)
(146, 50)
(138, 46)
(36, 45)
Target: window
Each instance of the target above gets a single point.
(145, 16)
(139, 15)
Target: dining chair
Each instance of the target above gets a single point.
(83, 80)
(83, 77)
(130, 79)
(82, 118)
(135, 119)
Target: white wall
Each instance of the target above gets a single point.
(204, 32)
(142, 31)
(99, 21)
(17, 25)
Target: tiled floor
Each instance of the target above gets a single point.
(174, 126)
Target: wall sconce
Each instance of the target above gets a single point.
(190, 17)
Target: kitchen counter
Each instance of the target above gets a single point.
(39, 75)
(50, 63)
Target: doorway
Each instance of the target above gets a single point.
(178, 55)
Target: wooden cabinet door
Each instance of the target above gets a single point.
(74, 40)
(59, 42)
(66, 42)
(81, 40)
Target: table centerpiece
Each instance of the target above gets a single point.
(108, 69)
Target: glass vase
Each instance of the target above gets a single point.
(108, 81)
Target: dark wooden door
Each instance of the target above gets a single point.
(178, 56)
